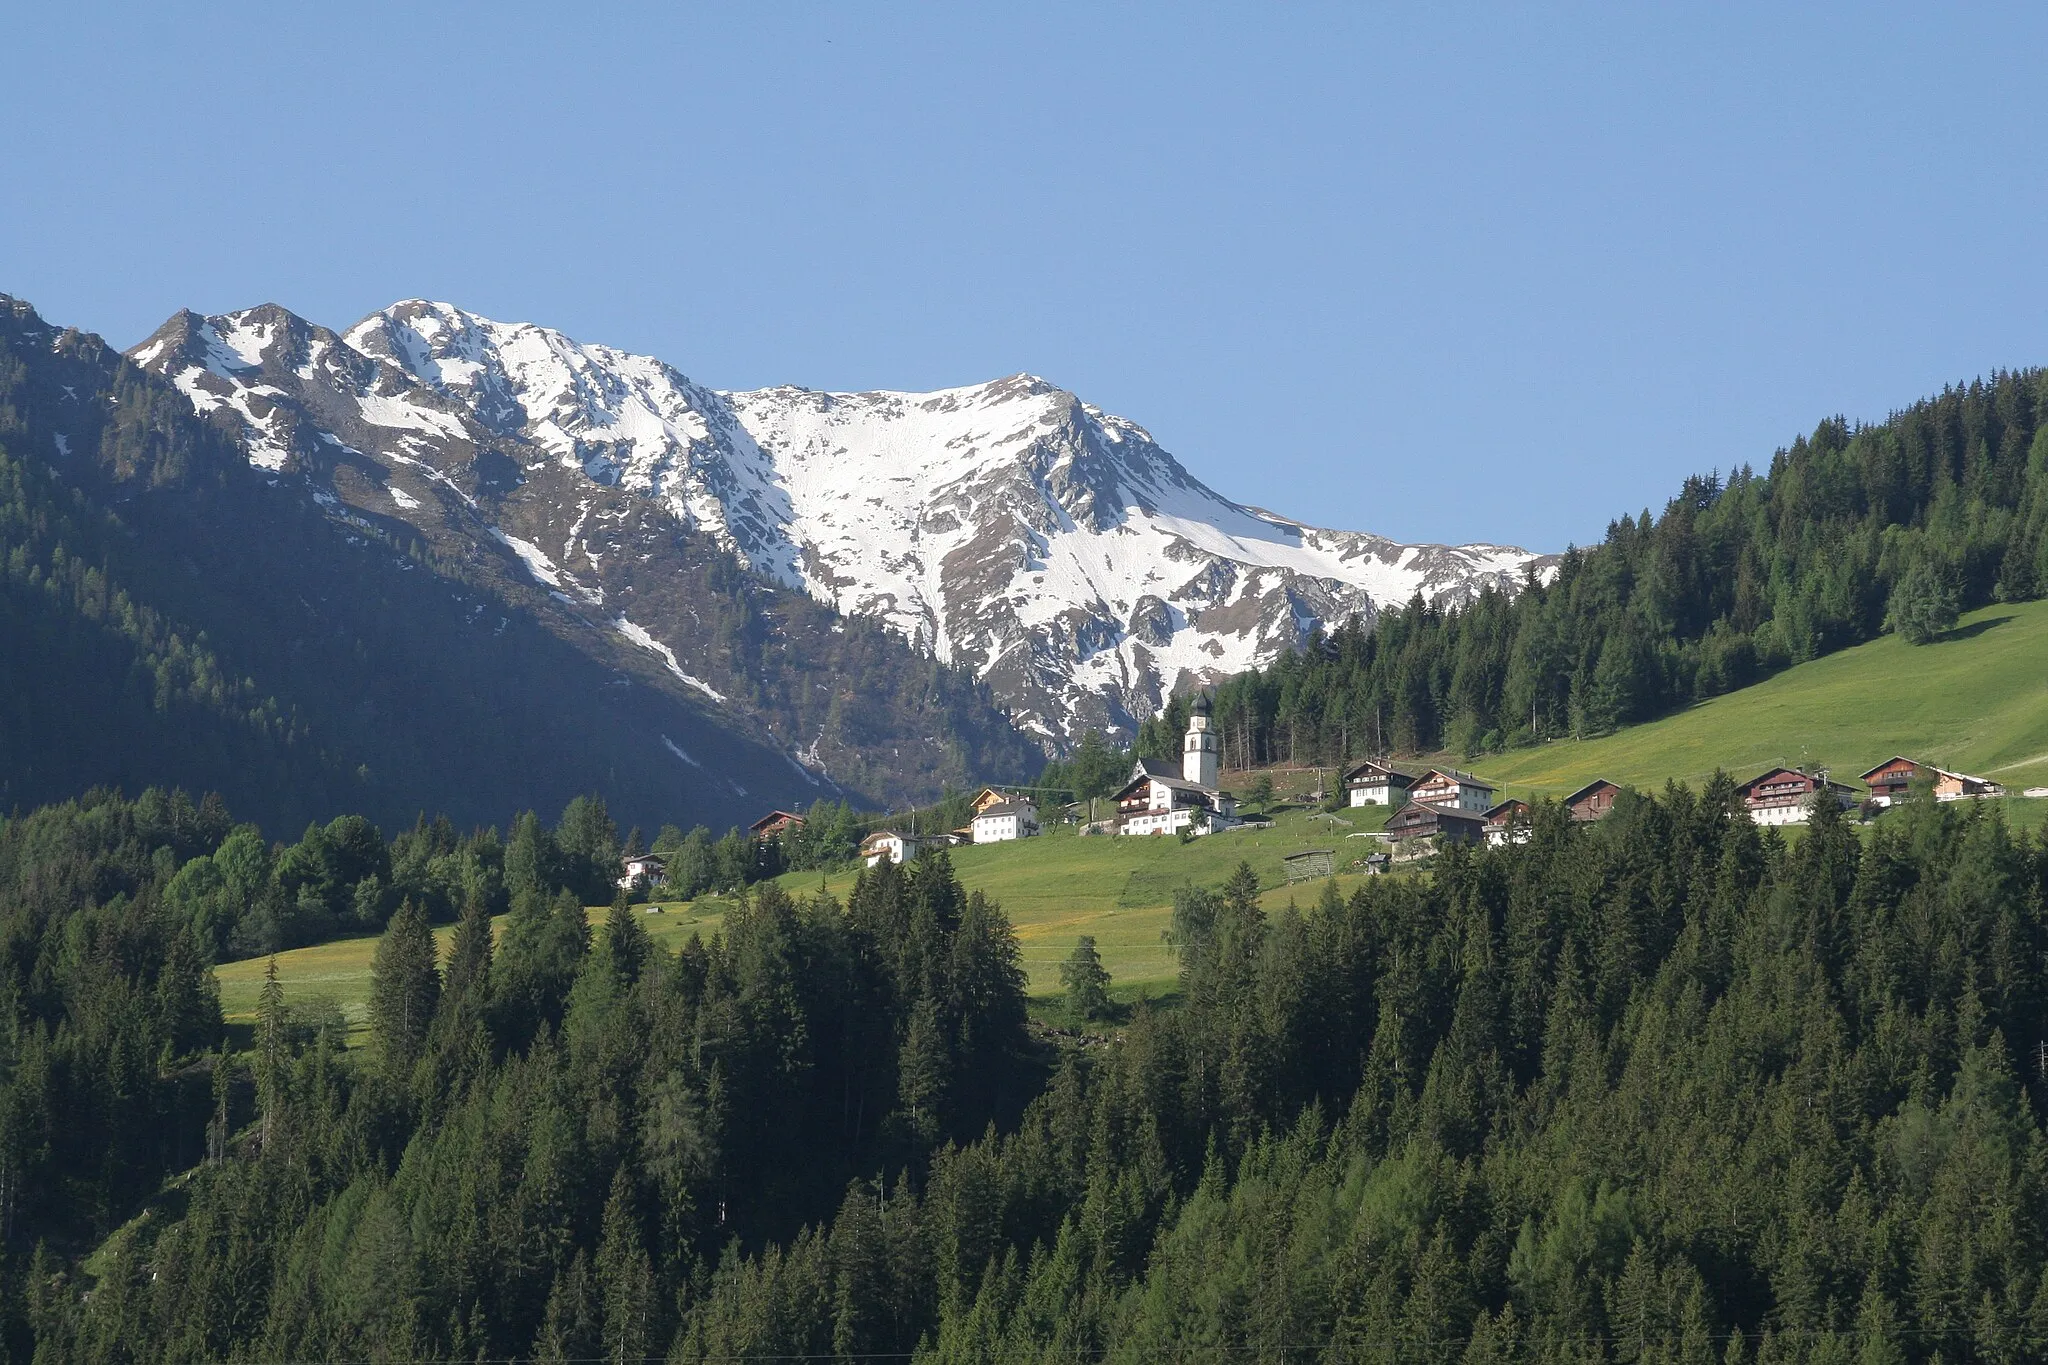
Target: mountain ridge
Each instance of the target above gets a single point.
(1050, 548)
(296, 642)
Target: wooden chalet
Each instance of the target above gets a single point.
(1890, 780)
(775, 824)
(1436, 820)
(1373, 783)
(1785, 796)
(1449, 787)
(1507, 823)
(1592, 801)
(990, 796)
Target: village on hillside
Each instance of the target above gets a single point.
(1429, 808)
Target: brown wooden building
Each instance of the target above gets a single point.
(1890, 780)
(1784, 796)
(775, 823)
(1432, 820)
(1592, 801)
(1508, 823)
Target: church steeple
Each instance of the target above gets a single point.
(1201, 755)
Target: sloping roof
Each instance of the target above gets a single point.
(1153, 767)
(1421, 812)
(1595, 785)
(776, 817)
(1895, 758)
(1179, 784)
(1464, 779)
(1008, 808)
(1764, 777)
(1505, 809)
(654, 858)
(1376, 768)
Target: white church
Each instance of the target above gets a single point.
(1157, 801)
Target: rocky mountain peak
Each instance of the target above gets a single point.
(1010, 527)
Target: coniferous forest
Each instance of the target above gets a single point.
(1663, 1088)
(1851, 532)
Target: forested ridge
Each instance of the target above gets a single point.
(1850, 532)
(1664, 1088)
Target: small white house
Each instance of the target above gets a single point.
(886, 845)
(1373, 783)
(1004, 820)
(642, 871)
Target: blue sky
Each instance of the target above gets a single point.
(1476, 273)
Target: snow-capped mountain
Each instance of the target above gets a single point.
(1010, 528)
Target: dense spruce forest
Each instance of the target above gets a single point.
(1666, 1088)
(1853, 531)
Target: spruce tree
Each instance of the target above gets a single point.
(626, 940)
(469, 961)
(405, 986)
(625, 1279)
(272, 1021)
(1086, 981)
(1922, 605)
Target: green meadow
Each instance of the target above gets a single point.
(1975, 700)
(1054, 888)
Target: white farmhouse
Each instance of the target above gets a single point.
(642, 871)
(886, 845)
(1003, 820)
(1373, 783)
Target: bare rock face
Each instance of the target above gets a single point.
(1009, 528)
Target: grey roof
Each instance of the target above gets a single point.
(1373, 765)
(1466, 778)
(1153, 767)
(1007, 808)
(1179, 784)
(1439, 811)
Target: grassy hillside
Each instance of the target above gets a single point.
(1054, 889)
(1975, 700)
(1059, 886)
(340, 971)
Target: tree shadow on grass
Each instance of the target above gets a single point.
(1969, 632)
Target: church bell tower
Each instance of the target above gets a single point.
(1201, 756)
